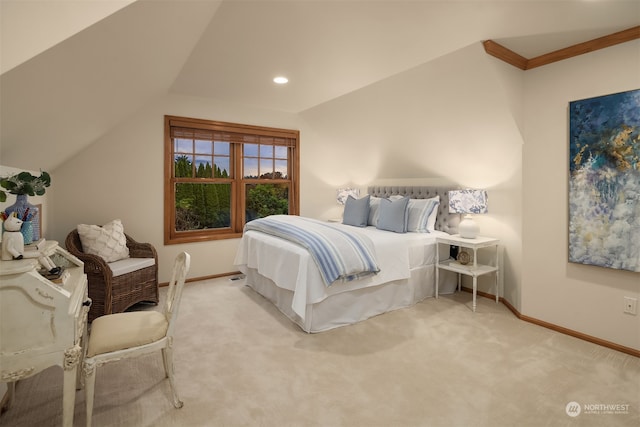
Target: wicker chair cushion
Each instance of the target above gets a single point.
(128, 265)
(108, 242)
(125, 330)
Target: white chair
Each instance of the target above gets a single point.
(120, 336)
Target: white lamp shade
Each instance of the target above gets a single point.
(468, 201)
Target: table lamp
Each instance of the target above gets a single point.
(342, 194)
(468, 202)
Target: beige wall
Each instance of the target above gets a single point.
(121, 176)
(584, 298)
(456, 118)
(448, 119)
(451, 119)
(460, 118)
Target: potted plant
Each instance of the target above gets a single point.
(24, 184)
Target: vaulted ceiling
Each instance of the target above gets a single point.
(67, 81)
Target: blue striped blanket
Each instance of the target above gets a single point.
(340, 255)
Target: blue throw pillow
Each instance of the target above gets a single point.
(356, 211)
(393, 215)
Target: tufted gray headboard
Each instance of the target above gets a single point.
(445, 221)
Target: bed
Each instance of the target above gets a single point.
(287, 274)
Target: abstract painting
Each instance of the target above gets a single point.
(604, 181)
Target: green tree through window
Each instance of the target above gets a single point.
(266, 199)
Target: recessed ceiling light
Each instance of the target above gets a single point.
(280, 80)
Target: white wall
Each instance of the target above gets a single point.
(456, 118)
(460, 118)
(121, 176)
(583, 298)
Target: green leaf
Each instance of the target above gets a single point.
(25, 183)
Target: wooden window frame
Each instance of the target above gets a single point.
(237, 180)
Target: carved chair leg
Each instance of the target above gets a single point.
(89, 371)
(167, 357)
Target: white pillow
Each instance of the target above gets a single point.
(422, 213)
(108, 241)
(431, 222)
(374, 211)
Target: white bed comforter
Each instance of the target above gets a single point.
(291, 267)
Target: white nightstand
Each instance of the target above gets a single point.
(472, 269)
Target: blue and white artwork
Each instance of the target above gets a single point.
(604, 181)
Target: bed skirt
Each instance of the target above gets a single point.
(346, 308)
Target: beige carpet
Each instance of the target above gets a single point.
(239, 362)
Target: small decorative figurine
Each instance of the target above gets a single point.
(13, 245)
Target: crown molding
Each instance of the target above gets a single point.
(510, 57)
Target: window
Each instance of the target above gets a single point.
(220, 175)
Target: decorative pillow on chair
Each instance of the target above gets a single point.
(393, 215)
(356, 211)
(108, 241)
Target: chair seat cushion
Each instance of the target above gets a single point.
(125, 330)
(124, 266)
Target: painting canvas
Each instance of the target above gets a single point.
(604, 181)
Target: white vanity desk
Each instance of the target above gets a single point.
(42, 323)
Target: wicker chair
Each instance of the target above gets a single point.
(111, 294)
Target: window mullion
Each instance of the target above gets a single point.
(238, 188)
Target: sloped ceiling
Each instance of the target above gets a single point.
(60, 101)
(67, 96)
(31, 27)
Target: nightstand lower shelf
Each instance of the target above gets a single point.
(474, 270)
(470, 270)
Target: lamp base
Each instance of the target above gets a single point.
(468, 229)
